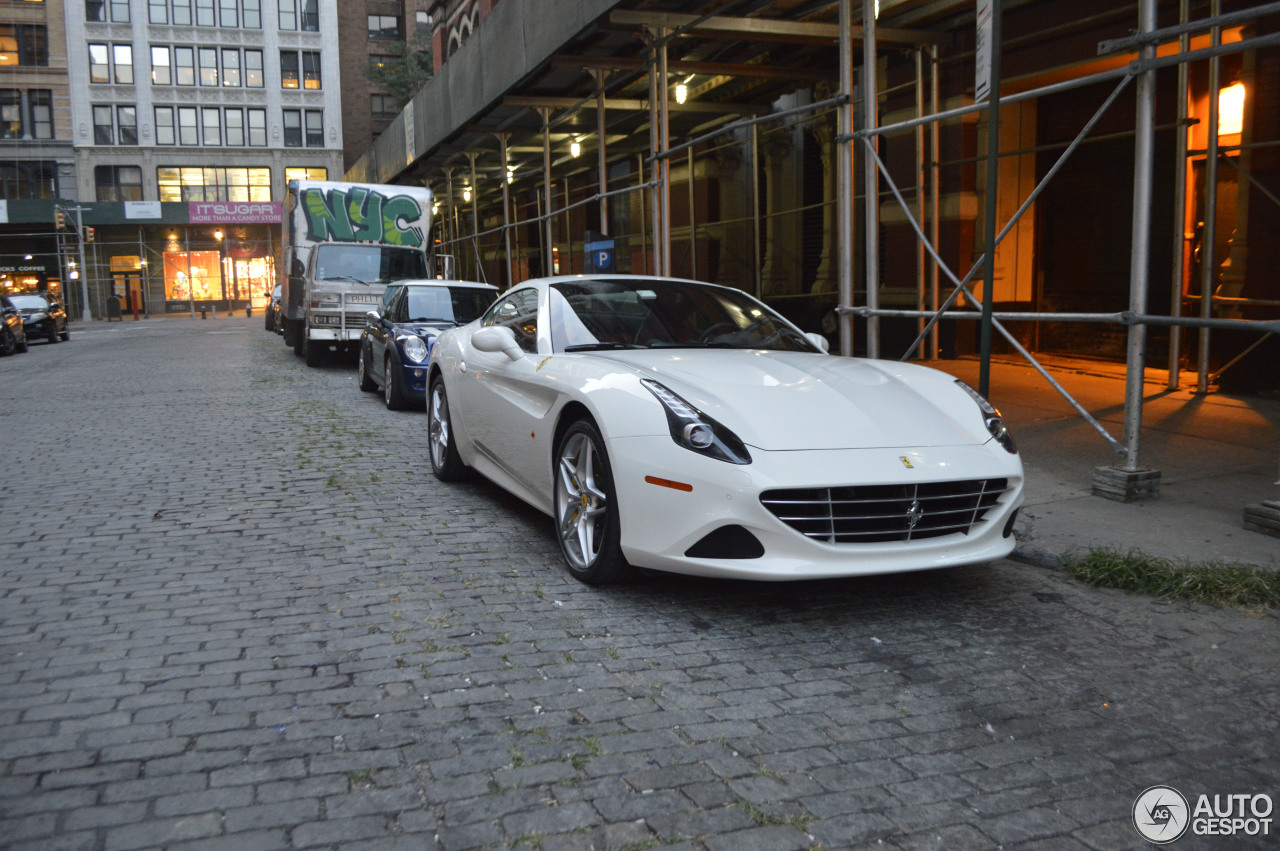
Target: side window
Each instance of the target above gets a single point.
(519, 312)
(388, 296)
(397, 311)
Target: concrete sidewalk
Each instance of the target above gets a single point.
(1216, 454)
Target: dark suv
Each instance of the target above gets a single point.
(43, 317)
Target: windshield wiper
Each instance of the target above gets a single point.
(433, 319)
(601, 347)
(346, 278)
(696, 344)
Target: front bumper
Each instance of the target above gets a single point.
(660, 523)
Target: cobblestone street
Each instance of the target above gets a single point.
(237, 611)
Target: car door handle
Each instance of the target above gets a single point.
(462, 366)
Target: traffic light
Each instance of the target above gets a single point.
(88, 234)
(59, 218)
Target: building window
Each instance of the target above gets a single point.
(310, 69)
(118, 182)
(292, 173)
(100, 11)
(382, 105)
(164, 126)
(257, 128)
(253, 14)
(103, 129)
(157, 12)
(288, 69)
(41, 102)
(184, 66)
(253, 69)
(293, 128)
(384, 27)
(315, 128)
(212, 124)
(99, 64)
(10, 114)
(123, 56)
(208, 59)
(187, 131)
(234, 121)
(28, 181)
(22, 44)
(182, 13)
(204, 14)
(161, 72)
(288, 14)
(310, 19)
(214, 184)
(127, 124)
(228, 14)
(231, 68)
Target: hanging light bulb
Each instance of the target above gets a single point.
(466, 193)
(511, 173)
(682, 92)
(575, 147)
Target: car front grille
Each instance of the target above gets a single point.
(865, 514)
(356, 320)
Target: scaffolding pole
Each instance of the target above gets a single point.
(1140, 255)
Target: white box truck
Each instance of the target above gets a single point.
(342, 244)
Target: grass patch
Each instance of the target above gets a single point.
(1220, 584)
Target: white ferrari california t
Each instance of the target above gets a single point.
(687, 427)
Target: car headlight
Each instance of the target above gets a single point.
(992, 419)
(697, 432)
(36, 317)
(415, 349)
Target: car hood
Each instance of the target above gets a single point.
(790, 400)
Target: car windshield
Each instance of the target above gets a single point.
(450, 304)
(29, 302)
(369, 264)
(617, 313)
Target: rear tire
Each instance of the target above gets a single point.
(65, 335)
(446, 463)
(586, 508)
(8, 343)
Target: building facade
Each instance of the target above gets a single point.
(36, 156)
(374, 32)
(187, 119)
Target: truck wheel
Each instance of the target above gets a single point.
(311, 352)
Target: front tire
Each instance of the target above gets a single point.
(53, 334)
(446, 463)
(392, 393)
(8, 343)
(311, 353)
(586, 508)
(367, 384)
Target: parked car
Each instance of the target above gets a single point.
(687, 427)
(397, 339)
(43, 316)
(13, 338)
(272, 320)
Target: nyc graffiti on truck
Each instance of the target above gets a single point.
(361, 215)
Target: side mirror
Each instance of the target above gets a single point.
(819, 341)
(497, 338)
(372, 317)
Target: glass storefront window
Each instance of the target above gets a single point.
(192, 278)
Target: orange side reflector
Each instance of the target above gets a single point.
(667, 483)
